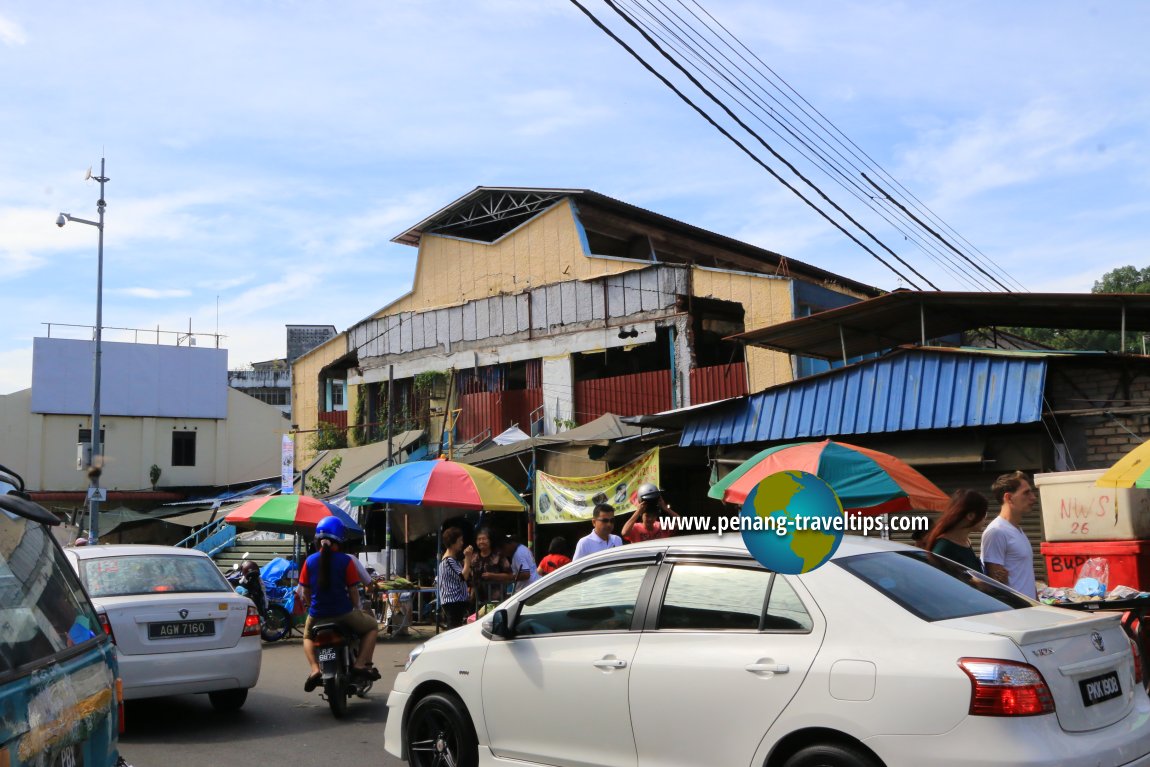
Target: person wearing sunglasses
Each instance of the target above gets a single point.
(602, 534)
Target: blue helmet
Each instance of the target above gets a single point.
(330, 528)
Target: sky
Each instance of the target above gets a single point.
(263, 154)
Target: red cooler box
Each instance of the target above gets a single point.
(1129, 562)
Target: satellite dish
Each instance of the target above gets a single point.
(88, 174)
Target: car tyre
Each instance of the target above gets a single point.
(831, 755)
(440, 733)
(228, 700)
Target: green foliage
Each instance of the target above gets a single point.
(1124, 279)
(359, 416)
(319, 484)
(327, 437)
(563, 424)
(429, 380)
(154, 475)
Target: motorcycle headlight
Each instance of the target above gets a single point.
(411, 656)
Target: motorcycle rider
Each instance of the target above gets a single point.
(250, 580)
(328, 581)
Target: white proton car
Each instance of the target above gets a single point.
(687, 652)
(177, 624)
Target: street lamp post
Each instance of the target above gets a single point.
(96, 464)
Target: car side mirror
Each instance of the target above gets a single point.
(500, 625)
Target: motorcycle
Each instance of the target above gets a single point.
(275, 620)
(335, 650)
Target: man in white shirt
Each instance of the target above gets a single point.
(1007, 553)
(523, 572)
(600, 537)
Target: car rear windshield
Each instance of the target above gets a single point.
(933, 588)
(150, 574)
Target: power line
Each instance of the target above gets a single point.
(736, 142)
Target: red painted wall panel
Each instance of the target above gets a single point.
(633, 394)
(718, 382)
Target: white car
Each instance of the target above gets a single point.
(177, 624)
(687, 652)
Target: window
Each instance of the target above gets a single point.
(43, 610)
(785, 611)
(183, 448)
(337, 395)
(148, 574)
(85, 438)
(599, 600)
(931, 587)
(710, 598)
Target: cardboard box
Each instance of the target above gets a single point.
(1073, 509)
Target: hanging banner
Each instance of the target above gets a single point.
(572, 499)
(287, 465)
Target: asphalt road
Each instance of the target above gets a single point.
(279, 725)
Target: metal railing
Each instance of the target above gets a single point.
(211, 538)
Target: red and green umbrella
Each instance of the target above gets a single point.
(866, 481)
(438, 483)
(288, 514)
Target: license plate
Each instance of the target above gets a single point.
(326, 654)
(1100, 688)
(178, 629)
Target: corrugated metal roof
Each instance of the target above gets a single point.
(905, 391)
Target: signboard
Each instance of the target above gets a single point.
(572, 499)
(287, 465)
(98, 493)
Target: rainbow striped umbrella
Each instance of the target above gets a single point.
(438, 483)
(288, 513)
(866, 481)
(1132, 471)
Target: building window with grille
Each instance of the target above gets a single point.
(85, 438)
(183, 448)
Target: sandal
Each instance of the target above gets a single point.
(366, 672)
(313, 681)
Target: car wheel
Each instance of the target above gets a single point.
(440, 734)
(228, 700)
(831, 755)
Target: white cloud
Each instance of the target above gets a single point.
(154, 293)
(11, 33)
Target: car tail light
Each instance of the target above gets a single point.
(1137, 653)
(120, 704)
(252, 622)
(107, 626)
(1006, 688)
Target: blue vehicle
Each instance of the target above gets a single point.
(59, 689)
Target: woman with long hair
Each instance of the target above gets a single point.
(950, 536)
(329, 583)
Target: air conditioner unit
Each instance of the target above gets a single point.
(83, 455)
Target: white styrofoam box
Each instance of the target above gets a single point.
(1073, 509)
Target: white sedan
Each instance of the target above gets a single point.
(687, 652)
(177, 624)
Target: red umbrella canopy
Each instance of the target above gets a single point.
(289, 513)
(866, 481)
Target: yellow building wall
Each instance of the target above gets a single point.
(305, 389)
(766, 301)
(545, 250)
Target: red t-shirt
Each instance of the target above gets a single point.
(552, 562)
(639, 532)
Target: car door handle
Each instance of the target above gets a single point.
(767, 668)
(608, 663)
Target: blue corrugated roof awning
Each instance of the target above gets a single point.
(910, 390)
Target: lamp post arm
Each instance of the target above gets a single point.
(79, 220)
